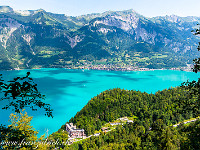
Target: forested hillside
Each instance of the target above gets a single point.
(134, 137)
(153, 128)
(170, 105)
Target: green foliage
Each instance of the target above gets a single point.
(170, 105)
(156, 113)
(22, 92)
(71, 39)
(190, 135)
(197, 60)
(59, 138)
(134, 136)
(19, 134)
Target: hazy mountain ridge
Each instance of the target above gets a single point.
(31, 39)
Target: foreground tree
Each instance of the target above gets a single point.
(21, 133)
(197, 60)
(22, 92)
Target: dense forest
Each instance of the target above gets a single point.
(153, 128)
(171, 105)
(134, 136)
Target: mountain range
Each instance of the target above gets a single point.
(36, 39)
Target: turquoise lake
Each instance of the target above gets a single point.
(68, 91)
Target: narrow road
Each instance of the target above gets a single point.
(185, 122)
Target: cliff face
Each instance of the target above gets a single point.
(41, 39)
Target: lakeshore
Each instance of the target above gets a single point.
(69, 90)
(114, 68)
(108, 67)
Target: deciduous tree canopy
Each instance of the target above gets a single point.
(22, 92)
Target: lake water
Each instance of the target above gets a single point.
(69, 90)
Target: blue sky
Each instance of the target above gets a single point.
(148, 8)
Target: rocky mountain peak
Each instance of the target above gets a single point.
(173, 18)
(6, 9)
(126, 20)
(24, 12)
(121, 13)
(55, 40)
(130, 11)
(39, 11)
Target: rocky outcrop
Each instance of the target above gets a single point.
(74, 40)
(6, 9)
(7, 27)
(39, 38)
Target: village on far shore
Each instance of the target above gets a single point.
(113, 67)
(127, 68)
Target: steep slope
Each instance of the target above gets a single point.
(171, 105)
(36, 38)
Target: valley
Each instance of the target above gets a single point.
(122, 39)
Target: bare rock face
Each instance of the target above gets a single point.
(173, 18)
(105, 30)
(27, 38)
(6, 9)
(37, 37)
(7, 27)
(141, 33)
(74, 40)
(24, 12)
(130, 23)
(126, 22)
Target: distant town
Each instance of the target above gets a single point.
(127, 68)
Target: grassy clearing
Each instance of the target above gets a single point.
(159, 56)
